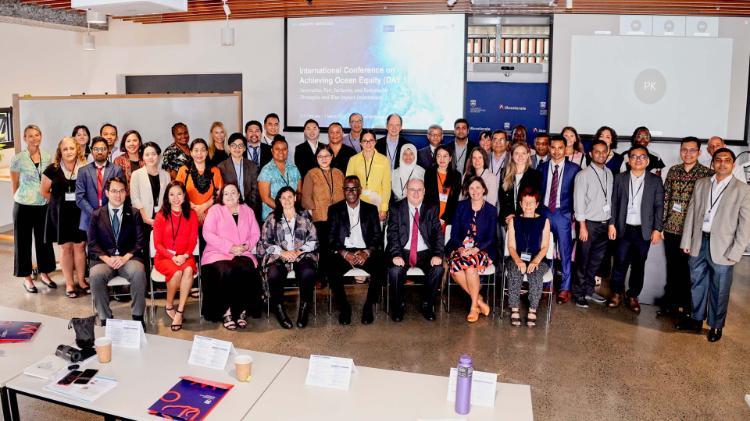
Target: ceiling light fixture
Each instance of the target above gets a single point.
(227, 33)
(89, 42)
(96, 17)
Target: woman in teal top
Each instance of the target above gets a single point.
(30, 210)
(276, 174)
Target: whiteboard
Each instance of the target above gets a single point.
(152, 115)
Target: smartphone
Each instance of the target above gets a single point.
(68, 379)
(86, 376)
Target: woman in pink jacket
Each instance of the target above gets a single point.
(231, 285)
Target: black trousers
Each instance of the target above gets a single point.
(28, 221)
(322, 229)
(339, 266)
(589, 257)
(397, 277)
(677, 290)
(631, 251)
(233, 284)
(304, 273)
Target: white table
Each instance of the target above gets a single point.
(15, 357)
(144, 375)
(377, 394)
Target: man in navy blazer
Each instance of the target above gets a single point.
(426, 155)
(90, 193)
(257, 151)
(426, 253)
(560, 210)
(390, 145)
(115, 246)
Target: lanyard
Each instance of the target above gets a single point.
(606, 179)
(240, 176)
(175, 233)
(388, 150)
(441, 182)
(458, 158)
(75, 164)
(283, 176)
(714, 202)
(289, 227)
(499, 166)
(633, 196)
(401, 180)
(367, 172)
(37, 167)
(351, 143)
(350, 223)
(330, 185)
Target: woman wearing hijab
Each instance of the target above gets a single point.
(407, 169)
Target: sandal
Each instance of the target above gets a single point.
(167, 310)
(195, 293)
(515, 318)
(484, 308)
(176, 326)
(473, 315)
(531, 319)
(229, 323)
(71, 293)
(85, 289)
(242, 321)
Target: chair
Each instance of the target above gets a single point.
(292, 276)
(488, 274)
(547, 287)
(410, 273)
(117, 281)
(156, 277)
(351, 273)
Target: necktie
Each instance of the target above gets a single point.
(255, 155)
(414, 239)
(553, 190)
(115, 223)
(99, 184)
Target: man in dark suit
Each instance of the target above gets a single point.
(636, 223)
(304, 153)
(115, 245)
(242, 172)
(390, 144)
(341, 153)
(259, 153)
(415, 239)
(91, 180)
(541, 147)
(426, 155)
(558, 180)
(461, 147)
(356, 241)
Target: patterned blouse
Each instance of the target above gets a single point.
(271, 174)
(29, 177)
(273, 239)
(678, 189)
(174, 158)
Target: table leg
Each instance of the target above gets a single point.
(13, 403)
(6, 407)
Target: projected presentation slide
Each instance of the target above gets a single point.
(376, 65)
(674, 86)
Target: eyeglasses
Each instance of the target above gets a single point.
(351, 188)
(367, 141)
(237, 146)
(99, 149)
(639, 157)
(415, 190)
(355, 121)
(117, 191)
(324, 156)
(689, 150)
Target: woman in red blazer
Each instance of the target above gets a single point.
(175, 236)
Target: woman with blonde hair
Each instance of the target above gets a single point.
(216, 146)
(518, 176)
(58, 187)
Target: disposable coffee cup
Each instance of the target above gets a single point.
(243, 366)
(103, 347)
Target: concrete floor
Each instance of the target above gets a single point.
(593, 364)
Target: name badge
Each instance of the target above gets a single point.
(117, 252)
(707, 218)
(469, 245)
(677, 207)
(443, 197)
(606, 208)
(632, 210)
(70, 197)
(526, 257)
(367, 192)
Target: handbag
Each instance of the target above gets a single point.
(84, 328)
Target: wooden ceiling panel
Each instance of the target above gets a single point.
(202, 10)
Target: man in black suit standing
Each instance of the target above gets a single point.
(356, 241)
(636, 223)
(414, 240)
(390, 144)
(461, 147)
(257, 151)
(426, 155)
(115, 244)
(304, 153)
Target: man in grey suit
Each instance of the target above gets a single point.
(717, 231)
(636, 223)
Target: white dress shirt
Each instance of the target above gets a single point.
(713, 201)
(355, 240)
(635, 196)
(421, 245)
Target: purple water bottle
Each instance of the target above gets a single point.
(465, 370)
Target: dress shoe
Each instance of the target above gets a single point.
(30, 289)
(303, 315)
(397, 314)
(615, 301)
(367, 316)
(714, 335)
(563, 297)
(690, 325)
(345, 315)
(634, 305)
(581, 302)
(48, 282)
(280, 312)
(428, 311)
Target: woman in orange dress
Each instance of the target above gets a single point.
(175, 236)
(202, 180)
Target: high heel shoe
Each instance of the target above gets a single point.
(280, 312)
(484, 308)
(473, 315)
(176, 326)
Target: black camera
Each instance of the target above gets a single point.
(69, 353)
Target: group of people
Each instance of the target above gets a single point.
(254, 216)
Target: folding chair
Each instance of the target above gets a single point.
(351, 273)
(410, 273)
(291, 276)
(547, 287)
(117, 281)
(156, 277)
(488, 274)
